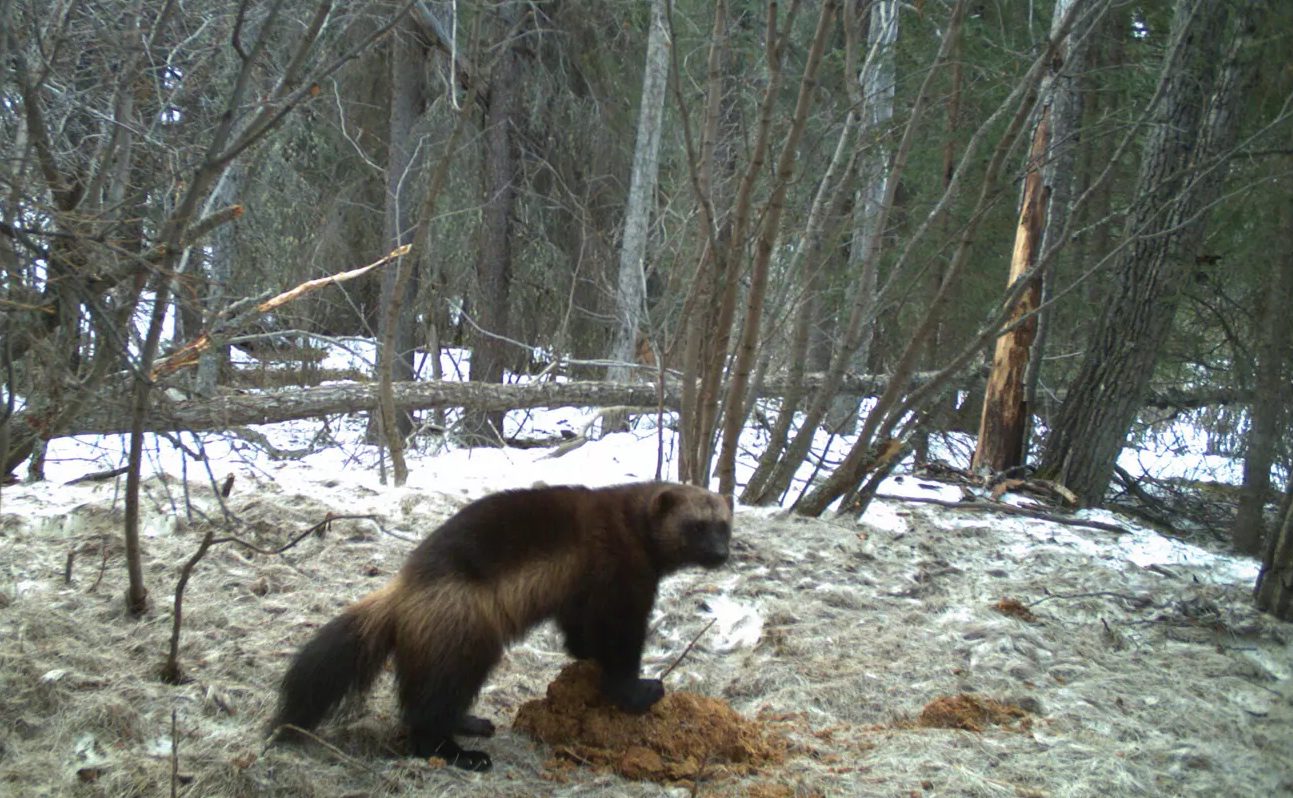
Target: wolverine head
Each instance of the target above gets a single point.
(691, 526)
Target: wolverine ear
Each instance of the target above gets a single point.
(664, 501)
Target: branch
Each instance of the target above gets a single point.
(187, 355)
(1008, 509)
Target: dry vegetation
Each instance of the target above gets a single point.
(1120, 680)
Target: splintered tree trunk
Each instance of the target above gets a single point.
(1005, 414)
(1274, 591)
(1044, 212)
(1204, 73)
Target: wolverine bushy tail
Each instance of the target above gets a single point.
(342, 658)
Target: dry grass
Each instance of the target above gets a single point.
(1136, 682)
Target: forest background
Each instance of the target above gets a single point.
(1054, 225)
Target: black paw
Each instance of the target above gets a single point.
(477, 761)
(635, 696)
(473, 726)
(445, 748)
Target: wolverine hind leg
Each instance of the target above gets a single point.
(473, 726)
(436, 689)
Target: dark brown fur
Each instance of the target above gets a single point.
(591, 559)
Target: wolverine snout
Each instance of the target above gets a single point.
(713, 557)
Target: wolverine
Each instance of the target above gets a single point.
(592, 559)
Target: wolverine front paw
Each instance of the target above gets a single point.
(635, 696)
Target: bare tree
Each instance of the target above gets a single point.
(1274, 589)
(1268, 412)
(501, 179)
(1043, 214)
(630, 294)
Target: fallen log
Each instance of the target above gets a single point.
(107, 414)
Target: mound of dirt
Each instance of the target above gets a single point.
(972, 713)
(683, 736)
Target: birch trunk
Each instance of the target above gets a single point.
(630, 293)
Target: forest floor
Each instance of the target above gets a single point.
(1121, 673)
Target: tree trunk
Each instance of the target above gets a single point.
(875, 95)
(108, 415)
(1194, 125)
(630, 294)
(408, 99)
(219, 262)
(1274, 590)
(1269, 408)
(734, 410)
(864, 251)
(809, 262)
(494, 262)
(1005, 414)
(879, 444)
(1044, 212)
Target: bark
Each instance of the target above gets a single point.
(1269, 409)
(874, 94)
(494, 263)
(1274, 590)
(397, 318)
(630, 293)
(1005, 413)
(1044, 212)
(1195, 124)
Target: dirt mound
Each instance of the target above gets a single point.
(971, 713)
(683, 736)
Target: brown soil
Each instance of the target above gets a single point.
(971, 713)
(1015, 609)
(683, 737)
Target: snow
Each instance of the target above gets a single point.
(848, 624)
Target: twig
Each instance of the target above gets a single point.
(187, 355)
(342, 755)
(98, 476)
(1008, 509)
(302, 536)
(103, 564)
(171, 671)
(687, 650)
(175, 758)
(1134, 600)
